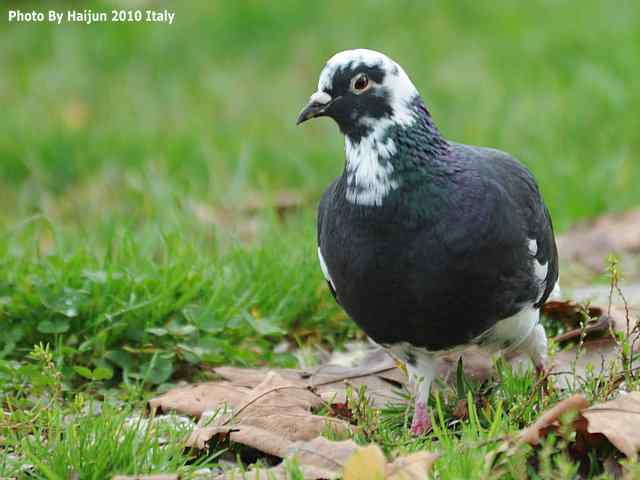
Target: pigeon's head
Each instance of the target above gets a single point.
(362, 89)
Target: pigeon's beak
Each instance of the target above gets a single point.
(317, 106)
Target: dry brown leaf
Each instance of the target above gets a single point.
(603, 319)
(278, 392)
(273, 415)
(274, 434)
(570, 313)
(590, 242)
(539, 429)
(594, 326)
(199, 398)
(251, 377)
(200, 436)
(378, 373)
(317, 458)
(619, 421)
(324, 455)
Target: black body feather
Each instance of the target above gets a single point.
(446, 255)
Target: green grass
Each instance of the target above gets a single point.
(97, 446)
(131, 157)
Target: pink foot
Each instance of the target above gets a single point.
(421, 423)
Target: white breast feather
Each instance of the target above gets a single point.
(368, 171)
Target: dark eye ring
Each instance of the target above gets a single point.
(361, 82)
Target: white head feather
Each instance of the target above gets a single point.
(369, 171)
(396, 81)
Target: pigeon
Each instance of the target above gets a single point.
(429, 245)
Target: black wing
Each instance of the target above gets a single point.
(521, 192)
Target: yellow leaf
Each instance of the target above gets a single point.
(367, 463)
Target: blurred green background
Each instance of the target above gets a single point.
(143, 166)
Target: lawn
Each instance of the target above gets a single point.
(158, 202)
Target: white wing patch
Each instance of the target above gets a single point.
(325, 270)
(540, 270)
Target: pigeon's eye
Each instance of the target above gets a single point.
(360, 83)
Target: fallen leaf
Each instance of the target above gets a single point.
(367, 463)
(251, 377)
(572, 315)
(274, 414)
(602, 319)
(595, 325)
(377, 372)
(199, 398)
(548, 419)
(317, 459)
(278, 392)
(323, 454)
(619, 421)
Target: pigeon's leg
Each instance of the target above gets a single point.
(535, 346)
(421, 371)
